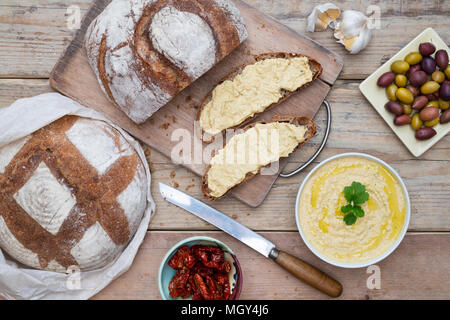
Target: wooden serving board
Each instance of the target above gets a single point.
(73, 77)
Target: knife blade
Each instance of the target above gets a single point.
(218, 219)
(299, 268)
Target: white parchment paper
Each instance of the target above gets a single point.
(20, 119)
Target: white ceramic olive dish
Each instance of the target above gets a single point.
(320, 220)
(377, 95)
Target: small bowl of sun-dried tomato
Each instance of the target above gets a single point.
(200, 268)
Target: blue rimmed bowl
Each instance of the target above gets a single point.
(166, 273)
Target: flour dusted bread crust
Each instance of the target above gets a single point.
(314, 67)
(309, 132)
(144, 52)
(71, 194)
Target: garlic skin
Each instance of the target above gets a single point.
(322, 16)
(353, 31)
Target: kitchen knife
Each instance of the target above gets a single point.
(295, 266)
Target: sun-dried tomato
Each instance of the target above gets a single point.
(211, 257)
(206, 293)
(215, 252)
(179, 285)
(182, 259)
(201, 272)
(224, 267)
(222, 280)
(196, 295)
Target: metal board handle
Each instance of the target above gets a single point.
(322, 145)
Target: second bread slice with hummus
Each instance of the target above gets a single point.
(259, 145)
(253, 88)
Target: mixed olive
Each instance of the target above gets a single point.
(418, 89)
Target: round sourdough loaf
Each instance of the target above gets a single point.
(144, 52)
(71, 194)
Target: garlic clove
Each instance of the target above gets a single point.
(353, 31)
(322, 16)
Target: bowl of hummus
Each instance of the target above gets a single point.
(352, 210)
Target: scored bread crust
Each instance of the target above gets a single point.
(145, 52)
(311, 131)
(65, 201)
(315, 67)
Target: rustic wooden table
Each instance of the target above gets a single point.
(33, 34)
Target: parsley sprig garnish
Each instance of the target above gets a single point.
(355, 194)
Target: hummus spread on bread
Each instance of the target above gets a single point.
(251, 150)
(253, 90)
(321, 219)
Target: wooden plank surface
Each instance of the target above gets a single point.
(418, 269)
(427, 177)
(178, 115)
(33, 33)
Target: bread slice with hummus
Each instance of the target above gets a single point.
(258, 145)
(253, 88)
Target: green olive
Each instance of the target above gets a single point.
(400, 66)
(401, 80)
(429, 87)
(391, 90)
(404, 95)
(438, 76)
(447, 72)
(406, 108)
(431, 123)
(416, 123)
(444, 105)
(413, 58)
(433, 103)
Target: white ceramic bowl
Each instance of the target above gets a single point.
(387, 252)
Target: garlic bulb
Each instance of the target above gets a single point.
(322, 16)
(353, 31)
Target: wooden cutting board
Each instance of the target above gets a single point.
(73, 77)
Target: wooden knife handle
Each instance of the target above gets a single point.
(309, 274)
